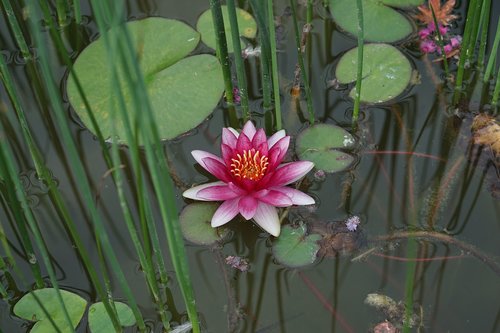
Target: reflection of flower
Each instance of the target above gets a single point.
(252, 179)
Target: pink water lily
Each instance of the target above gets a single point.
(252, 178)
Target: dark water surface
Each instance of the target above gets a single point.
(458, 293)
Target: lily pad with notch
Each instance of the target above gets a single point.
(195, 224)
(29, 307)
(247, 27)
(382, 23)
(99, 321)
(321, 145)
(182, 91)
(294, 247)
(386, 72)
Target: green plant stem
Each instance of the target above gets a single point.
(16, 29)
(62, 12)
(493, 55)
(359, 75)
(274, 65)
(440, 42)
(238, 60)
(485, 22)
(465, 52)
(77, 11)
(496, 92)
(300, 59)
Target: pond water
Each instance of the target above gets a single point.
(445, 184)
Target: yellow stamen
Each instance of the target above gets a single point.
(252, 165)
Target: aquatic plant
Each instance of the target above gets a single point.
(252, 179)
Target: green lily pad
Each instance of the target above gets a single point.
(320, 143)
(386, 72)
(381, 22)
(294, 248)
(195, 221)
(182, 91)
(99, 321)
(246, 26)
(28, 308)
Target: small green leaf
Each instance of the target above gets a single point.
(28, 308)
(293, 248)
(381, 22)
(100, 322)
(320, 143)
(386, 72)
(182, 91)
(195, 222)
(246, 26)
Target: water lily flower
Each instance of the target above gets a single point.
(252, 179)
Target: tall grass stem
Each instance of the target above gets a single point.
(274, 65)
(493, 55)
(359, 74)
(16, 29)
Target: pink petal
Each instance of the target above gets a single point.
(217, 193)
(235, 132)
(228, 138)
(225, 213)
(192, 193)
(217, 168)
(227, 153)
(266, 217)
(247, 207)
(243, 143)
(259, 138)
(297, 197)
(276, 198)
(199, 155)
(249, 129)
(278, 152)
(275, 138)
(236, 189)
(289, 173)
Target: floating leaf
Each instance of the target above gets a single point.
(195, 221)
(246, 26)
(381, 22)
(100, 322)
(320, 143)
(386, 72)
(182, 92)
(293, 248)
(29, 308)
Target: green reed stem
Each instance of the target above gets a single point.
(62, 12)
(83, 185)
(300, 59)
(493, 55)
(485, 22)
(466, 50)
(359, 75)
(260, 12)
(77, 11)
(440, 41)
(238, 60)
(274, 65)
(496, 91)
(221, 47)
(411, 268)
(16, 29)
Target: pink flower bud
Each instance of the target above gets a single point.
(428, 46)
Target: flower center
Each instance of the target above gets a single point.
(252, 165)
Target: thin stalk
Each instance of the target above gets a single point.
(485, 22)
(238, 60)
(62, 12)
(309, 12)
(359, 75)
(300, 59)
(222, 54)
(77, 11)
(440, 41)
(16, 29)
(496, 92)
(493, 55)
(260, 12)
(466, 50)
(274, 65)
